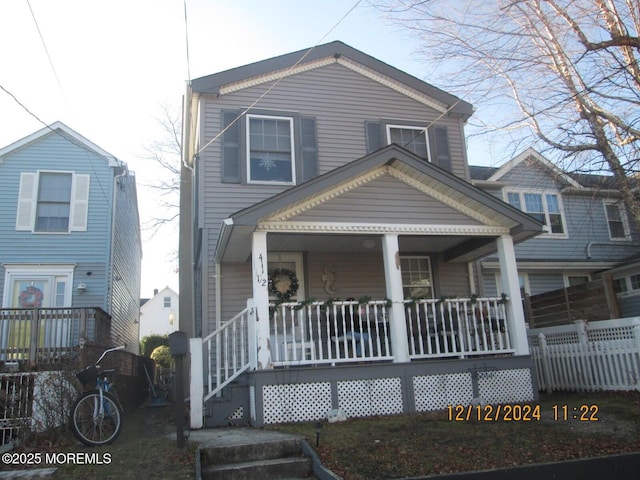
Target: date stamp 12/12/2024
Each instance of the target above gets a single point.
(521, 413)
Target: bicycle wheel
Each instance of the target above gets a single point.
(93, 425)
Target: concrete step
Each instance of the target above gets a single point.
(247, 454)
(277, 468)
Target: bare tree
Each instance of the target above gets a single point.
(570, 67)
(164, 155)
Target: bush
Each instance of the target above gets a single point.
(149, 343)
(162, 356)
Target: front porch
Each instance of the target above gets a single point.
(459, 350)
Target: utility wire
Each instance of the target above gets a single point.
(250, 107)
(46, 50)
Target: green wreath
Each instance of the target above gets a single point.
(283, 284)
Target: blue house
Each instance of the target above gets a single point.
(70, 247)
(587, 232)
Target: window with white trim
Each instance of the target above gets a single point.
(627, 286)
(166, 302)
(617, 220)
(52, 202)
(270, 149)
(546, 207)
(417, 279)
(413, 139)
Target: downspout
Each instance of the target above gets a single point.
(605, 244)
(113, 235)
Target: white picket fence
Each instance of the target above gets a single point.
(587, 356)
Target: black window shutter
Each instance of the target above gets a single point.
(439, 139)
(308, 149)
(230, 148)
(373, 131)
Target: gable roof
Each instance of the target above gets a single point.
(307, 59)
(59, 128)
(530, 153)
(421, 175)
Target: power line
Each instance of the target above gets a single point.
(44, 45)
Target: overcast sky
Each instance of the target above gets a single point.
(105, 68)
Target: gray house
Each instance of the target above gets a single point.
(70, 247)
(328, 220)
(587, 229)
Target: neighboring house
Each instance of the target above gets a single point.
(587, 229)
(159, 315)
(70, 246)
(333, 224)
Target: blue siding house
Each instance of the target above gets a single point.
(587, 229)
(70, 247)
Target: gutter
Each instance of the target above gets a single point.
(223, 239)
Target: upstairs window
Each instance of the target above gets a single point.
(52, 202)
(430, 143)
(268, 149)
(617, 220)
(270, 156)
(545, 207)
(411, 138)
(167, 302)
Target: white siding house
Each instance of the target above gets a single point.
(160, 314)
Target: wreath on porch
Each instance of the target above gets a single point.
(283, 283)
(31, 297)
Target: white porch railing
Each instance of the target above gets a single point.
(346, 331)
(457, 327)
(321, 333)
(599, 355)
(227, 352)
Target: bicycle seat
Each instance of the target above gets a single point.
(109, 371)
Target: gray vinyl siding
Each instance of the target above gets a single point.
(341, 101)
(452, 279)
(386, 199)
(629, 306)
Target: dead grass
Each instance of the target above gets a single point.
(424, 444)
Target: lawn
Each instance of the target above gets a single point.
(431, 443)
(382, 448)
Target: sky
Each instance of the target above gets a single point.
(108, 68)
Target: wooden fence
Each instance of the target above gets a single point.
(587, 356)
(590, 301)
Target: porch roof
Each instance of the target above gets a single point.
(488, 216)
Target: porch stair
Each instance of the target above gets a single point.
(255, 455)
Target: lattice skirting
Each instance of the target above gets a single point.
(299, 402)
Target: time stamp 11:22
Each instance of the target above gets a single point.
(521, 413)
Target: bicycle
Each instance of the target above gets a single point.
(96, 417)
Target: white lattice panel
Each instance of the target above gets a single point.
(237, 415)
(505, 386)
(364, 398)
(436, 392)
(296, 402)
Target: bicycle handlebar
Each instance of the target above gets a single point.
(109, 350)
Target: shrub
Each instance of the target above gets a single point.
(162, 356)
(149, 343)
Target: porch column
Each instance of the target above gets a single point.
(261, 299)
(393, 280)
(511, 288)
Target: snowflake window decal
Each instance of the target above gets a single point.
(267, 163)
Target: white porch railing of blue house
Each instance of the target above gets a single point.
(338, 332)
(41, 335)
